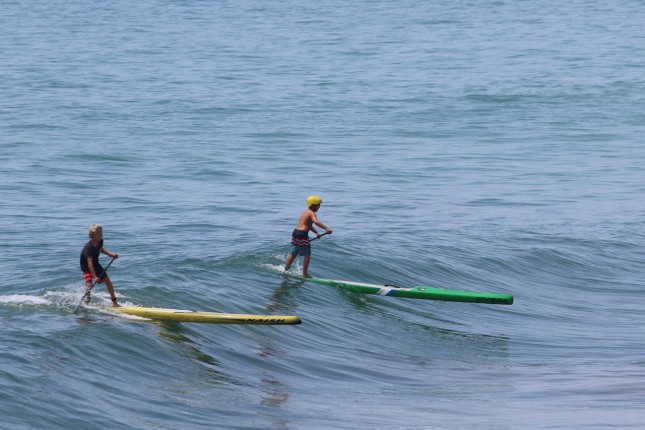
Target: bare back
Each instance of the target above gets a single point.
(307, 220)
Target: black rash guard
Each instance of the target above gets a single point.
(93, 252)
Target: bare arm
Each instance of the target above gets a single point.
(109, 254)
(90, 264)
(319, 224)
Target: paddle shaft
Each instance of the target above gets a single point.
(317, 237)
(89, 290)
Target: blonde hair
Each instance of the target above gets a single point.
(93, 229)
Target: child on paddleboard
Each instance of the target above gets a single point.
(300, 235)
(92, 269)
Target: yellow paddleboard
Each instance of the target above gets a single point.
(180, 315)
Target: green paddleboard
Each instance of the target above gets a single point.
(428, 293)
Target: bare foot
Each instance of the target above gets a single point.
(306, 275)
(116, 305)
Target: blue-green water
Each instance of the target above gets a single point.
(479, 145)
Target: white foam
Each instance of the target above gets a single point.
(24, 299)
(280, 267)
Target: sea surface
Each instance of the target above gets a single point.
(492, 146)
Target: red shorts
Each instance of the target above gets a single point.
(88, 278)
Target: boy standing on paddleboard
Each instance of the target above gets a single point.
(92, 269)
(300, 236)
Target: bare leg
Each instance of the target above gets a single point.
(110, 289)
(88, 293)
(289, 261)
(305, 266)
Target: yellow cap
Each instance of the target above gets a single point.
(314, 200)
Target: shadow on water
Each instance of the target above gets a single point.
(177, 334)
(282, 298)
(275, 396)
(172, 333)
(206, 372)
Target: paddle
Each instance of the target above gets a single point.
(317, 237)
(89, 290)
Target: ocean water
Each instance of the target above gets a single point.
(478, 145)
